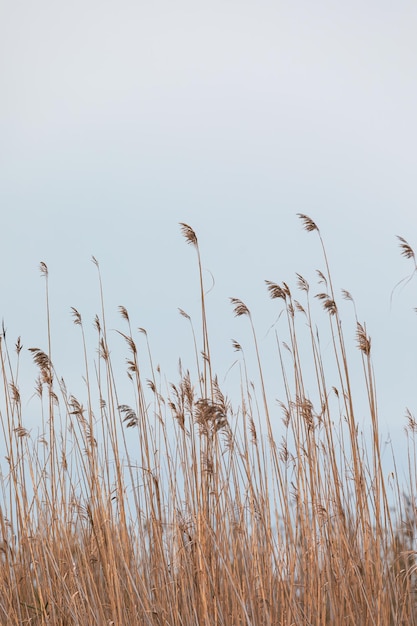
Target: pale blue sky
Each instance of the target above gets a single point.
(120, 119)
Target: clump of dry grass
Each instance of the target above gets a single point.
(178, 509)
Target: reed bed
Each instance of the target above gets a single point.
(181, 510)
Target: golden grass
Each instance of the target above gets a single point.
(210, 520)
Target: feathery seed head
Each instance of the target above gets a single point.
(123, 312)
(406, 249)
(184, 314)
(322, 278)
(236, 346)
(76, 315)
(240, 307)
(302, 284)
(210, 415)
(189, 234)
(308, 223)
(130, 417)
(43, 269)
(275, 291)
(347, 295)
(364, 341)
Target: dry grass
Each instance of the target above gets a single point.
(210, 520)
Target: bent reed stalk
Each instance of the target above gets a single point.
(180, 510)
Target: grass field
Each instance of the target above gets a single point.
(210, 520)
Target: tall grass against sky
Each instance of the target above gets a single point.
(177, 502)
(118, 119)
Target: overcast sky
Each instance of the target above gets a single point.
(120, 119)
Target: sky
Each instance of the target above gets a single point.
(118, 120)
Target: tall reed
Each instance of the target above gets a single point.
(178, 509)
